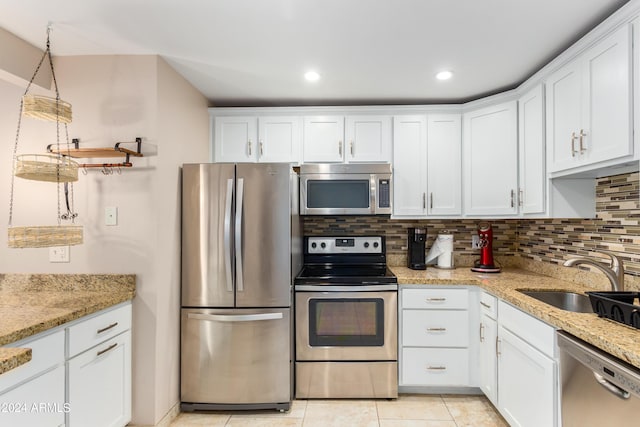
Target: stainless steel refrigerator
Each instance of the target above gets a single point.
(241, 248)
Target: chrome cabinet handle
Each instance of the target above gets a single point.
(340, 148)
(438, 299)
(424, 200)
(513, 193)
(436, 329)
(249, 146)
(484, 304)
(581, 139)
(351, 148)
(520, 197)
(573, 144)
(436, 368)
(261, 148)
(111, 347)
(105, 329)
(481, 332)
(431, 200)
(498, 353)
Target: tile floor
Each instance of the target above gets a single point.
(409, 410)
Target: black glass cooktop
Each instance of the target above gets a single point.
(351, 274)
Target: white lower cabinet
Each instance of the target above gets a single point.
(434, 347)
(487, 357)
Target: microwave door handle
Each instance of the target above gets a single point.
(372, 196)
(227, 235)
(238, 234)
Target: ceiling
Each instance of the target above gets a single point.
(255, 52)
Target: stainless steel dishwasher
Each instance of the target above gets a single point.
(597, 389)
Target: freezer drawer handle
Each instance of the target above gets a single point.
(612, 388)
(235, 317)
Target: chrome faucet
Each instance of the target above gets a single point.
(614, 272)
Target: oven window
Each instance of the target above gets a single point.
(346, 322)
(339, 193)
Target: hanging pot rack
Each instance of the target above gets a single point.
(89, 153)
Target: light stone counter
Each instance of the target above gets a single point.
(33, 303)
(615, 338)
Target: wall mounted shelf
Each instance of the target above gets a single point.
(102, 152)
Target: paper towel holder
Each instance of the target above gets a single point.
(441, 251)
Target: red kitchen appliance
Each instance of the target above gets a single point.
(485, 263)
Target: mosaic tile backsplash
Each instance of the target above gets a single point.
(616, 228)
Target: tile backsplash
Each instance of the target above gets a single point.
(616, 228)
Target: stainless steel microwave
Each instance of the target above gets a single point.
(346, 189)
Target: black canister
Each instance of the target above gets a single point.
(415, 248)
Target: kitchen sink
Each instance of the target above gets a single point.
(564, 300)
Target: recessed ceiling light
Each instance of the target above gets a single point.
(312, 76)
(444, 75)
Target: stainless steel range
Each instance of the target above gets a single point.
(346, 311)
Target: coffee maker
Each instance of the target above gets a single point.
(416, 240)
(485, 263)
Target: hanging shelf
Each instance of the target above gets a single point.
(91, 153)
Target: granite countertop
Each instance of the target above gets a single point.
(615, 338)
(33, 303)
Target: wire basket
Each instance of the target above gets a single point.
(46, 167)
(46, 108)
(44, 236)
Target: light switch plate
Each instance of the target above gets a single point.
(59, 254)
(111, 215)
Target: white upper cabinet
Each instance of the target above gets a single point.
(444, 141)
(531, 165)
(368, 139)
(490, 152)
(323, 139)
(409, 165)
(348, 139)
(589, 105)
(248, 139)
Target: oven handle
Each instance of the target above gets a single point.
(342, 288)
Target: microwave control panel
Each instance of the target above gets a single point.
(384, 197)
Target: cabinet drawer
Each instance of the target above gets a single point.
(46, 352)
(533, 331)
(488, 305)
(435, 366)
(99, 328)
(435, 298)
(435, 328)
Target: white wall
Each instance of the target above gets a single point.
(118, 98)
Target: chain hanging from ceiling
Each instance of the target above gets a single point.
(58, 168)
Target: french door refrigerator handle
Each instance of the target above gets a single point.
(227, 235)
(235, 317)
(238, 234)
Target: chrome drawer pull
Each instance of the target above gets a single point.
(113, 325)
(481, 332)
(436, 299)
(436, 368)
(484, 304)
(111, 347)
(436, 329)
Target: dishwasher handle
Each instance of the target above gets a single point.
(611, 388)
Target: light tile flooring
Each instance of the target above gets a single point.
(409, 410)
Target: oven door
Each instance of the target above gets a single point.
(346, 325)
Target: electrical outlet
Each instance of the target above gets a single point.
(111, 215)
(59, 254)
(475, 241)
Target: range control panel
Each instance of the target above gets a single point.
(342, 245)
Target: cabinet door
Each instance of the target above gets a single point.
(368, 139)
(444, 173)
(279, 139)
(531, 194)
(487, 359)
(235, 139)
(409, 165)
(526, 383)
(563, 100)
(323, 139)
(606, 126)
(99, 382)
(491, 160)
